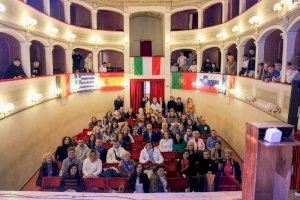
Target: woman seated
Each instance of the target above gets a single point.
(71, 181)
(93, 122)
(126, 166)
(207, 171)
(109, 116)
(217, 153)
(138, 180)
(49, 168)
(62, 151)
(151, 155)
(92, 165)
(127, 135)
(179, 144)
(166, 144)
(231, 167)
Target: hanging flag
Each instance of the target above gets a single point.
(86, 82)
(147, 66)
(184, 81)
(112, 81)
(208, 82)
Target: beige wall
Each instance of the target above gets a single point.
(27, 135)
(227, 115)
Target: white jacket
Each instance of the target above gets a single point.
(157, 157)
(200, 145)
(166, 145)
(92, 167)
(111, 157)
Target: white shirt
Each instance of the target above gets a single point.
(245, 64)
(111, 158)
(198, 146)
(157, 157)
(155, 107)
(193, 68)
(89, 167)
(102, 69)
(166, 145)
(290, 73)
(181, 60)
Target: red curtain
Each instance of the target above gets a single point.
(146, 48)
(157, 88)
(136, 94)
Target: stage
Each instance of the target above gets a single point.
(21, 195)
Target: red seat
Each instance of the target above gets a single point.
(177, 184)
(138, 138)
(155, 144)
(95, 184)
(87, 130)
(228, 183)
(117, 184)
(172, 169)
(108, 165)
(170, 156)
(59, 165)
(107, 145)
(50, 183)
(135, 155)
(136, 146)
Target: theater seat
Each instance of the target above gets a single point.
(50, 183)
(108, 165)
(170, 156)
(95, 184)
(136, 146)
(138, 138)
(135, 155)
(118, 184)
(155, 144)
(178, 184)
(228, 183)
(172, 169)
(107, 145)
(59, 165)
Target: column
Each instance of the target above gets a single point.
(200, 17)
(69, 61)
(240, 53)
(126, 43)
(94, 18)
(288, 51)
(225, 4)
(223, 60)
(25, 57)
(260, 54)
(167, 53)
(49, 60)
(242, 6)
(46, 4)
(95, 61)
(67, 11)
(199, 59)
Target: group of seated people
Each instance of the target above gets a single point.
(202, 157)
(184, 64)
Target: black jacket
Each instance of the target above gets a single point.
(118, 103)
(171, 104)
(35, 71)
(61, 153)
(14, 71)
(207, 165)
(44, 172)
(179, 107)
(143, 179)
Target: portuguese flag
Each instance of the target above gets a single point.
(184, 81)
(147, 66)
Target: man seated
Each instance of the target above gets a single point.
(15, 70)
(81, 150)
(71, 159)
(118, 103)
(151, 136)
(193, 67)
(203, 127)
(103, 68)
(150, 154)
(35, 69)
(114, 154)
(101, 149)
(185, 67)
(212, 139)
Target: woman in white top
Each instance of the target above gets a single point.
(115, 153)
(166, 144)
(92, 165)
(150, 154)
(193, 67)
(197, 141)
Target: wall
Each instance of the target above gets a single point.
(146, 28)
(228, 116)
(40, 129)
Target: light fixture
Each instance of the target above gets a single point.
(56, 92)
(35, 97)
(6, 108)
(201, 39)
(51, 30)
(96, 39)
(29, 21)
(221, 36)
(2, 8)
(278, 7)
(70, 36)
(235, 29)
(254, 20)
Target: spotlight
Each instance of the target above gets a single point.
(201, 39)
(6, 108)
(221, 36)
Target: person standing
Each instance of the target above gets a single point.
(118, 103)
(88, 62)
(76, 57)
(181, 59)
(251, 63)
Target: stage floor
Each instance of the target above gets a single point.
(119, 196)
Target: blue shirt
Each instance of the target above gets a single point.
(277, 73)
(211, 141)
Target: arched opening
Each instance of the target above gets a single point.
(249, 44)
(295, 29)
(37, 53)
(57, 10)
(232, 50)
(250, 3)
(212, 55)
(80, 16)
(146, 34)
(112, 60)
(109, 20)
(233, 9)
(212, 15)
(273, 47)
(78, 59)
(184, 60)
(184, 20)
(9, 49)
(37, 4)
(59, 60)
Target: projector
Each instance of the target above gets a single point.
(273, 135)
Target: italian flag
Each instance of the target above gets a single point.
(147, 66)
(184, 81)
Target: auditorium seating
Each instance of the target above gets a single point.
(227, 183)
(177, 184)
(50, 183)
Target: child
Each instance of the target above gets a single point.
(185, 164)
(260, 70)
(277, 71)
(270, 75)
